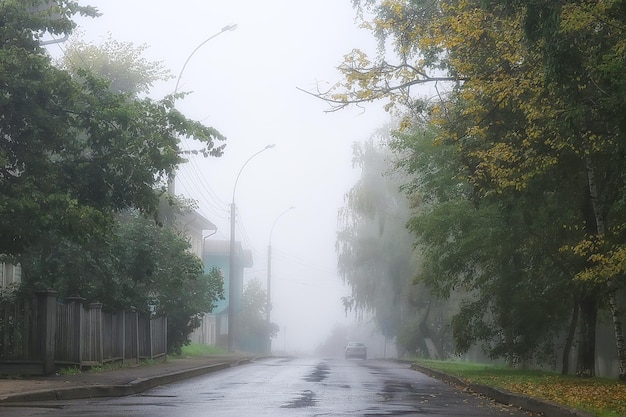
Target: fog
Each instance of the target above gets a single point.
(244, 83)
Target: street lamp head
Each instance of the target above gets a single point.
(270, 146)
(229, 27)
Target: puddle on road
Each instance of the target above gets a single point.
(319, 374)
(305, 399)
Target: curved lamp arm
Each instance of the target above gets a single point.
(276, 220)
(244, 165)
(224, 29)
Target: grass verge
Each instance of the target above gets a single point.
(599, 396)
(195, 349)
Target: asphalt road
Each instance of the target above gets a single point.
(289, 387)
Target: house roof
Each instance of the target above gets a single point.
(194, 221)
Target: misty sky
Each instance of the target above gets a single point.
(244, 84)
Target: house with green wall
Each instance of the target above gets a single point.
(216, 254)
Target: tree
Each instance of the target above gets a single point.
(521, 109)
(79, 154)
(406, 24)
(520, 125)
(581, 46)
(73, 151)
(496, 258)
(142, 265)
(153, 266)
(254, 331)
(121, 63)
(373, 247)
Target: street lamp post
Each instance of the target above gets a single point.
(224, 29)
(171, 181)
(232, 263)
(268, 306)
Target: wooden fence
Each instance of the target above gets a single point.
(37, 337)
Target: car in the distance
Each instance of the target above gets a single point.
(355, 350)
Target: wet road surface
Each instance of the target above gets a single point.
(289, 387)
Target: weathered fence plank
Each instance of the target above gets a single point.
(131, 352)
(69, 331)
(46, 328)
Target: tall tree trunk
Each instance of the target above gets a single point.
(613, 304)
(569, 340)
(586, 360)
(619, 334)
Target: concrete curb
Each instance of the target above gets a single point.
(535, 405)
(135, 387)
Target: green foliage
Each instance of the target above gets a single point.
(498, 257)
(141, 265)
(73, 151)
(154, 267)
(373, 247)
(253, 330)
(195, 349)
(70, 371)
(376, 257)
(121, 63)
(84, 163)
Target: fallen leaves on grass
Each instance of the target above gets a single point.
(600, 396)
(595, 395)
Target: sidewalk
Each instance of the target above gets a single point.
(117, 382)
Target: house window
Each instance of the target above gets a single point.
(10, 274)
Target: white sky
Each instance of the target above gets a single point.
(244, 84)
